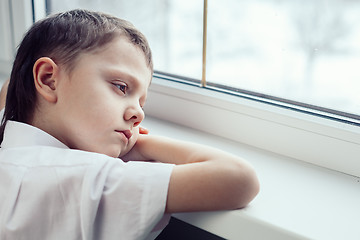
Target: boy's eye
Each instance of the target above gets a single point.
(121, 86)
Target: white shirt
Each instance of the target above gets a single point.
(48, 191)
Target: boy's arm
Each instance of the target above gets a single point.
(204, 178)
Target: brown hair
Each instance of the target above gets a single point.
(62, 37)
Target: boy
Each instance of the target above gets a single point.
(73, 108)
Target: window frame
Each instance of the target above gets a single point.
(295, 134)
(279, 129)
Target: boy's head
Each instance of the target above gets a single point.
(74, 72)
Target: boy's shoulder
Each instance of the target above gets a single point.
(54, 158)
(28, 145)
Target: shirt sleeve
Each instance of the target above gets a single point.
(125, 199)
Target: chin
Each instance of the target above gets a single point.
(121, 154)
(114, 154)
(110, 153)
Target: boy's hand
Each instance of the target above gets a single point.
(131, 153)
(143, 130)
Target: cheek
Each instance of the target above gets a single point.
(103, 113)
(97, 115)
(92, 103)
(92, 107)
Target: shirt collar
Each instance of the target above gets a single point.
(19, 134)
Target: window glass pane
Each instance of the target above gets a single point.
(173, 28)
(303, 50)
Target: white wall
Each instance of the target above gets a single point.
(15, 18)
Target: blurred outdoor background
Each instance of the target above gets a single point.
(302, 50)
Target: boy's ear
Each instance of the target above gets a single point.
(46, 73)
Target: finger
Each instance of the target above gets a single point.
(143, 130)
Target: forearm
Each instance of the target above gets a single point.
(204, 178)
(168, 150)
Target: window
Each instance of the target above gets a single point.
(298, 52)
(245, 114)
(306, 51)
(173, 28)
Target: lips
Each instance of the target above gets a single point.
(127, 133)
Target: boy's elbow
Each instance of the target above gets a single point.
(246, 188)
(252, 189)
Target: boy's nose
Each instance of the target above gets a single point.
(135, 115)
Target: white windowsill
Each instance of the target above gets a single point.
(323, 142)
(297, 200)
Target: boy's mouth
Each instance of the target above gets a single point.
(127, 133)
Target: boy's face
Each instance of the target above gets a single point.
(100, 102)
